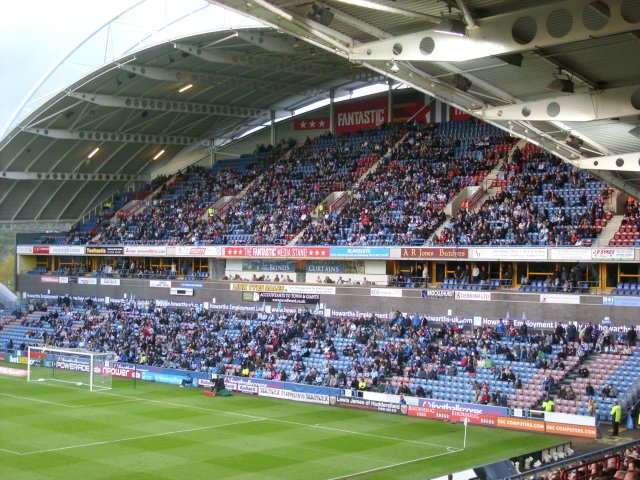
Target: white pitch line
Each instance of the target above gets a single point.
(393, 465)
(128, 439)
(290, 422)
(256, 417)
(38, 400)
(10, 451)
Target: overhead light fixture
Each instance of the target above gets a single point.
(93, 152)
(574, 142)
(320, 15)
(561, 83)
(451, 26)
(185, 88)
(461, 82)
(514, 59)
(394, 67)
(159, 154)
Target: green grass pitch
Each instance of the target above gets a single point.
(154, 431)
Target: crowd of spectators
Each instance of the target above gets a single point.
(279, 204)
(402, 201)
(617, 465)
(404, 355)
(532, 209)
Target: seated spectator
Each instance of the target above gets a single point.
(187, 382)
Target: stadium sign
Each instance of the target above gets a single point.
(370, 405)
(285, 297)
(145, 250)
(292, 395)
(621, 301)
(613, 254)
(275, 252)
(511, 253)
(104, 250)
(359, 252)
(271, 287)
(386, 292)
(206, 251)
(473, 295)
(435, 253)
(437, 293)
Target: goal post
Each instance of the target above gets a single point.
(74, 366)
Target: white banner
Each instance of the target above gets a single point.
(571, 419)
(473, 295)
(145, 250)
(110, 281)
(63, 280)
(295, 396)
(24, 250)
(569, 253)
(87, 281)
(66, 250)
(613, 254)
(386, 292)
(514, 253)
(207, 251)
(567, 299)
(160, 283)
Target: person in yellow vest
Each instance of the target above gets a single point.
(616, 414)
(362, 385)
(245, 371)
(211, 211)
(548, 404)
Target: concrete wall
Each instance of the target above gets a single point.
(354, 298)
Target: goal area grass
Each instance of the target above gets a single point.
(158, 431)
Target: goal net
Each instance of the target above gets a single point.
(70, 365)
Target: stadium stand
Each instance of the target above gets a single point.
(401, 201)
(542, 201)
(499, 366)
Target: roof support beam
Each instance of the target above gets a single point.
(626, 162)
(284, 64)
(92, 135)
(186, 76)
(161, 105)
(492, 36)
(64, 176)
(583, 107)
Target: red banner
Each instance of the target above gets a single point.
(311, 124)
(41, 250)
(271, 251)
(456, 115)
(361, 114)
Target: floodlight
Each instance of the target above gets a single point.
(451, 26)
(564, 85)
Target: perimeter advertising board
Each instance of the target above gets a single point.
(371, 405)
(295, 396)
(457, 412)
